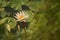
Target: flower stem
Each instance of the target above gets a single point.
(25, 33)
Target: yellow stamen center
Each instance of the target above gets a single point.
(21, 17)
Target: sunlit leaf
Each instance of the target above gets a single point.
(3, 20)
(12, 22)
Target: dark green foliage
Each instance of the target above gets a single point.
(43, 22)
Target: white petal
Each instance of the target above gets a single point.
(16, 17)
(17, 14)
(20, 12)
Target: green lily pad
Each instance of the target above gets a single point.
(3, 20)
(12, 22)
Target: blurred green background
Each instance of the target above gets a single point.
(44, 24)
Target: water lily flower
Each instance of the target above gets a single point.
(21, 16)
